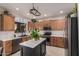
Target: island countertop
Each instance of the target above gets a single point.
(32, 43)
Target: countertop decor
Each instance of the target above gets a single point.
(33, 20)
(35, 35)
(73, 12)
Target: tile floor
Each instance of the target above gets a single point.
(51, 51)
(55, 51)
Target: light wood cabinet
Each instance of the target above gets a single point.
(11, 46)
(59, 24)
(25, 38)
(58, 42)
(7, 23)
(7, 47)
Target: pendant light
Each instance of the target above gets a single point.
(34, 11)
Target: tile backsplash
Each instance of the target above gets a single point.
(6, 34)
(56, 33)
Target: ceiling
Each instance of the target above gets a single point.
(46, 9)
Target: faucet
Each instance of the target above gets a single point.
(14, 35)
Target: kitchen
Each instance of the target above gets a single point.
(15, 27)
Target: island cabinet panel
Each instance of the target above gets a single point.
(58, 42)
(7, 47)
(7, 23)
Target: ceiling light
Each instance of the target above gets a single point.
(17, 9)
(45, 15)
(61, 12)
(28, 14)
(34, 17)
(34, 11)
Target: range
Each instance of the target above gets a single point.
(47, 33)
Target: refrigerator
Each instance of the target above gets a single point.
(72, 31)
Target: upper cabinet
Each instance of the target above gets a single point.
(6, 23)
(59, 24)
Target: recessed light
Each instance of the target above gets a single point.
(34, 17)
(61, 11)
(45, 14)
(28, 14)
(17, 9)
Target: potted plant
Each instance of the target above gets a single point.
(73, 13)
(35, 35)
(33, 20)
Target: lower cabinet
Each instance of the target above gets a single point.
(15, 45)
(7, 47)
(58, 42)
(12, 46)
(43, 48)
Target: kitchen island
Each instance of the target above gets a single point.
(33, 48)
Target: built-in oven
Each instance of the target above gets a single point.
(47, 33)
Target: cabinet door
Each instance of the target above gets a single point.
(25, 38)
(43, 48)
(8, 23)
(7, 46)
(58, 42)
(15, 45)
(59, 25)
